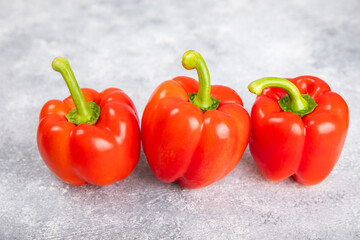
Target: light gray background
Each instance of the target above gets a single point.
(135, 45)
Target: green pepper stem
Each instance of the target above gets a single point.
(193, 60)
(84, 113)
(296, 101)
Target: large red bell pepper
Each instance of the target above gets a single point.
(189, 136)
(298, 128)
(89, 137)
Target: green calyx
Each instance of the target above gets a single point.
(293, 101)
(74, 117)
(84, 112)
(285, 105)
(215, 102)
(201, 99)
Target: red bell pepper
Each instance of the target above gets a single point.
(194, 138)
(89, 137)
(299, 128)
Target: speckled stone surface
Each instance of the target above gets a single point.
(135, 45)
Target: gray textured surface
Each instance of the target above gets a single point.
(135, 45)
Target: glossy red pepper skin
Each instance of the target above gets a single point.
(184, 144)
(98, 154)
(283, 144)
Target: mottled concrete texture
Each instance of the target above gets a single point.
(135, 45)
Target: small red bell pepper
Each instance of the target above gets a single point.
(299, 128)
(189, 136)
(89, 137)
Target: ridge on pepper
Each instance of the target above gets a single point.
(193, 132)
